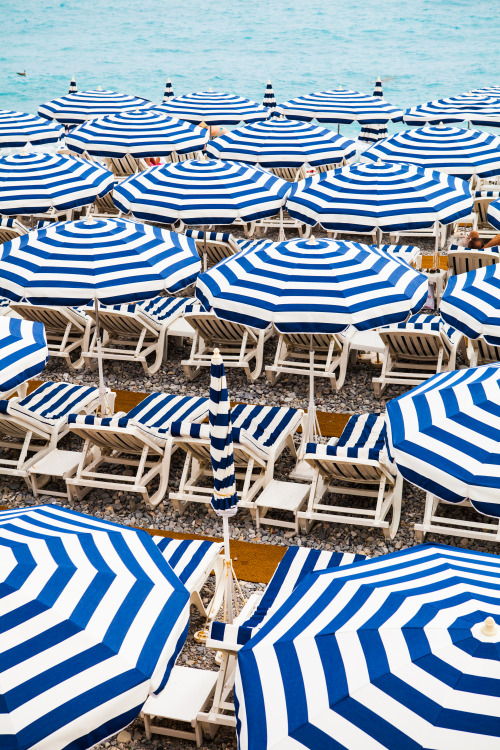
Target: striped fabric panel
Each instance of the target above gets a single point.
(199, 234)
(454, 248)
(363, 437)
(493, 214)
(225, 499)
(213, 108)
(297, 562)
(428, 323)
(373, 133)
(188, 558)
(23, 351)
(269, 97)
(157, 309)
(470, 303)
(51, 402)
(479, 108)
(478, 194)
(341, 105)
(20, 128)
(86, 105)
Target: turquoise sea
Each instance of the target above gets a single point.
(422, 49)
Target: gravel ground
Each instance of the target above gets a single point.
(356, 396)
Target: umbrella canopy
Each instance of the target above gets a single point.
(471, 303)
(23, 352)
(224, 500)
(372, 132)
(456, 151)
(389, 653)
(342, 106)
(86, 105)
(112, 260)
(494, 213)
(144, 132)
(20, 128)
(314, 286)
(93, 620)
(202, 192)
(476, 107)
(214, 108)
(269, 98)
(445, 436)
(389, 197)
(169, 91)
(282, 143)
(37, 183)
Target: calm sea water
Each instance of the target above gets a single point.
(422, 49)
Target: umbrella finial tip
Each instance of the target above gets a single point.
(489, 627)
(217, 354)
(379, 162)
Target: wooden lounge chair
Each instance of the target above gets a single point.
(415, 350)
(463, 260)
(239, 345)
(135, 332)
(260, 435)
(219, 245)
(32, 426)
(355, 464)
(11, 228)
(67, 329)
(175, 158)
(125, 166)
(331, 356)
(479, 352)
(104, 206)
(483, 527)
(409, 253)
(137, 445)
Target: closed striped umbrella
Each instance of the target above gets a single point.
(86, 105)
(224, 499)
(471, 303)
(312, 286)
(72, 86)
(141, 133)
(169, 91)
(475, 107)
(342, 106)
(112, 260)
(201, 192)
(444, 436)
(456, 151)
(383, 196)
(93, 619)
(20, 128)
(269, 98)
(282, 143)
(23, 352)
(37, 183)
(372, 132)
(494, 214)
(394, 652)
(214, 108)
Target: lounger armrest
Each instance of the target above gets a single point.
(190, 430)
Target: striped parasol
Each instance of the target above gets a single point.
(342, 106)
(214, 108)
(372, 133)
(381, 196)
(36, 183)
(444, 436)
(93, 619)
(20, 128)
(72, 86)
(400, 651)
(169, 92)
(23, 352)
(141, 133)
(479, 108)
(456, 151)
(202, 192)
(224, 499)
(471, 302)
(86, 105)
(279, 142)
(269, 98)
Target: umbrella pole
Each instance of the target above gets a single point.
(282, 237)
(378, 237)
(312, 420)
(102, 390)
(436, 243)
(228, 574)
(205, 253)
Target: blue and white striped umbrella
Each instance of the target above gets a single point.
(214, 108)
(143, 132)
(202, 192)
(72, 86)
(471, 303)
(445, 436)
(269, 98)
(371, 133)
(389, 197)
(224, 499)
(313, 286)
(342, 106)
(93, 619)
(475, 107)
(112, 260)
(169, 92)
(86, 105)
(282, 143)
(37, 183)
(23, 351)
(20, 128)
(494, 214)
(393, 652)
(456, 151)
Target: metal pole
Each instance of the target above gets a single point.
(102, 389)
(228, 573)
(378, 236)
(205, 254)
(282, 237)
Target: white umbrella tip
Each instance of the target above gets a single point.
(313, 240)
(99, 88)
(217, 354)
(379, 162)
(168, 80)
(489, 627)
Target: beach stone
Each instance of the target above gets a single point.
(124, 736)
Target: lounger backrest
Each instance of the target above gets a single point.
(408, 253)
(175, 158)
(124, 320)
(292, 174)
(219, 245)
(482, 199)
(421, 337)
(462, 261)
(105, 204)
(321, 342)
(126, 165)
(217, 332)
(11, 228)
(55, 319)
(487, 353)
